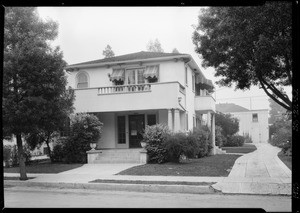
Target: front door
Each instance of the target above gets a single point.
(136, 128)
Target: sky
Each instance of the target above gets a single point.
(84, 32)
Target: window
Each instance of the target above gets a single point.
(254, 117)
(135, 76)
(82, 80)
(186, 76)
(151, 73)
(151, 119)
(121, 130)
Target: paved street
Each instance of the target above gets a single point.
(47, 198)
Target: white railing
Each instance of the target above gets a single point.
(124, 89)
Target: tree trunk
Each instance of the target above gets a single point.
(23, 175)
(49, 150)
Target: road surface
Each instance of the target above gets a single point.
(78, 198)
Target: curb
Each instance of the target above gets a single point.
(188, 189)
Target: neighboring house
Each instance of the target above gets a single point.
(252, 122)
(130, 91)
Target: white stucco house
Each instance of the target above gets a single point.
(252, 122)
(130, 91)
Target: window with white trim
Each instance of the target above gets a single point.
(82, 80)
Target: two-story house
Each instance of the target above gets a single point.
(130, 91)
(251, 122)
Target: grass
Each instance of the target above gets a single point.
(153, 182)
(51, 168)
(287, 160)
(213, 166)
(246, 148)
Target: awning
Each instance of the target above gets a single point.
(203, 82)
(118, 75)
(151, 71)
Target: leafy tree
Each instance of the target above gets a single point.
(107, 52)
(249, 46)
(33, 75)
(175, 50)
(277, 112)
(229, 125)
(54, 121)
(154, 46)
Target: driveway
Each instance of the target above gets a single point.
(259, 172)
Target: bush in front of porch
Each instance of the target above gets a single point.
(85, 129)
(163, 146)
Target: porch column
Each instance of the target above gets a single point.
(213, 134)
(170, 119)
(176, 120)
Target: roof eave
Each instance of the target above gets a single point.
(128, 61)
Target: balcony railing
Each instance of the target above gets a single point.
(124, 89)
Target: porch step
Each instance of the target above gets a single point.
(119, 156)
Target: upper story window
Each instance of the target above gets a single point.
(82, 80)
(151, 74)
(254, 117)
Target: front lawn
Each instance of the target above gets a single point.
(51, 168)
(214, 166)
(287, 160)
(246, 148)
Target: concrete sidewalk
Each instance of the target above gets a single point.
(259, 172)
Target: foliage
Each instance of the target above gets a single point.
(283, 137)
(58, 153)
(248, 49)
(155, 136)
(219, 137)
(6, 153)
(204, 143)
(175, 50)
(248, 138)
(277, 112)
(33, 74)
(85, 129)
(107, 52)
(235, 140)
(228, 123)
(154, 46)
(15, 157)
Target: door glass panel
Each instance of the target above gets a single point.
(130, 76)
(141, 78)
(151, 119)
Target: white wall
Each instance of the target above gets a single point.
(259, 131)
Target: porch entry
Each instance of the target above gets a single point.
(136, 128)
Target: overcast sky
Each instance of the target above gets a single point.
(84, 32)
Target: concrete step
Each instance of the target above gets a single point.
(119, 156)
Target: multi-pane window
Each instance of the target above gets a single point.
(121, 130)
(140, 75)
(254, 117)
(135, 76)
(151, 119)
(82, 80)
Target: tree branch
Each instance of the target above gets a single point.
(273, 98)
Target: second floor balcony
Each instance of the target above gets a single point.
(162, 95)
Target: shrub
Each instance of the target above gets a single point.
(58, 153)
(283, 139)
(235, 140)
(248, 138)
(204, 144)
(6, 153)
(155, 136)
(229, 124)
(85, 129)
(219, 137)
(178, 144)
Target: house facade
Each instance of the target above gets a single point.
(252, 122)
(131, 91)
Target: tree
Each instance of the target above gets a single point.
(249, 46)
(56, 117)
(33, 75)
(154, 46)
(175, 50)
(276, 112)
(229, 125)
(107, 52)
